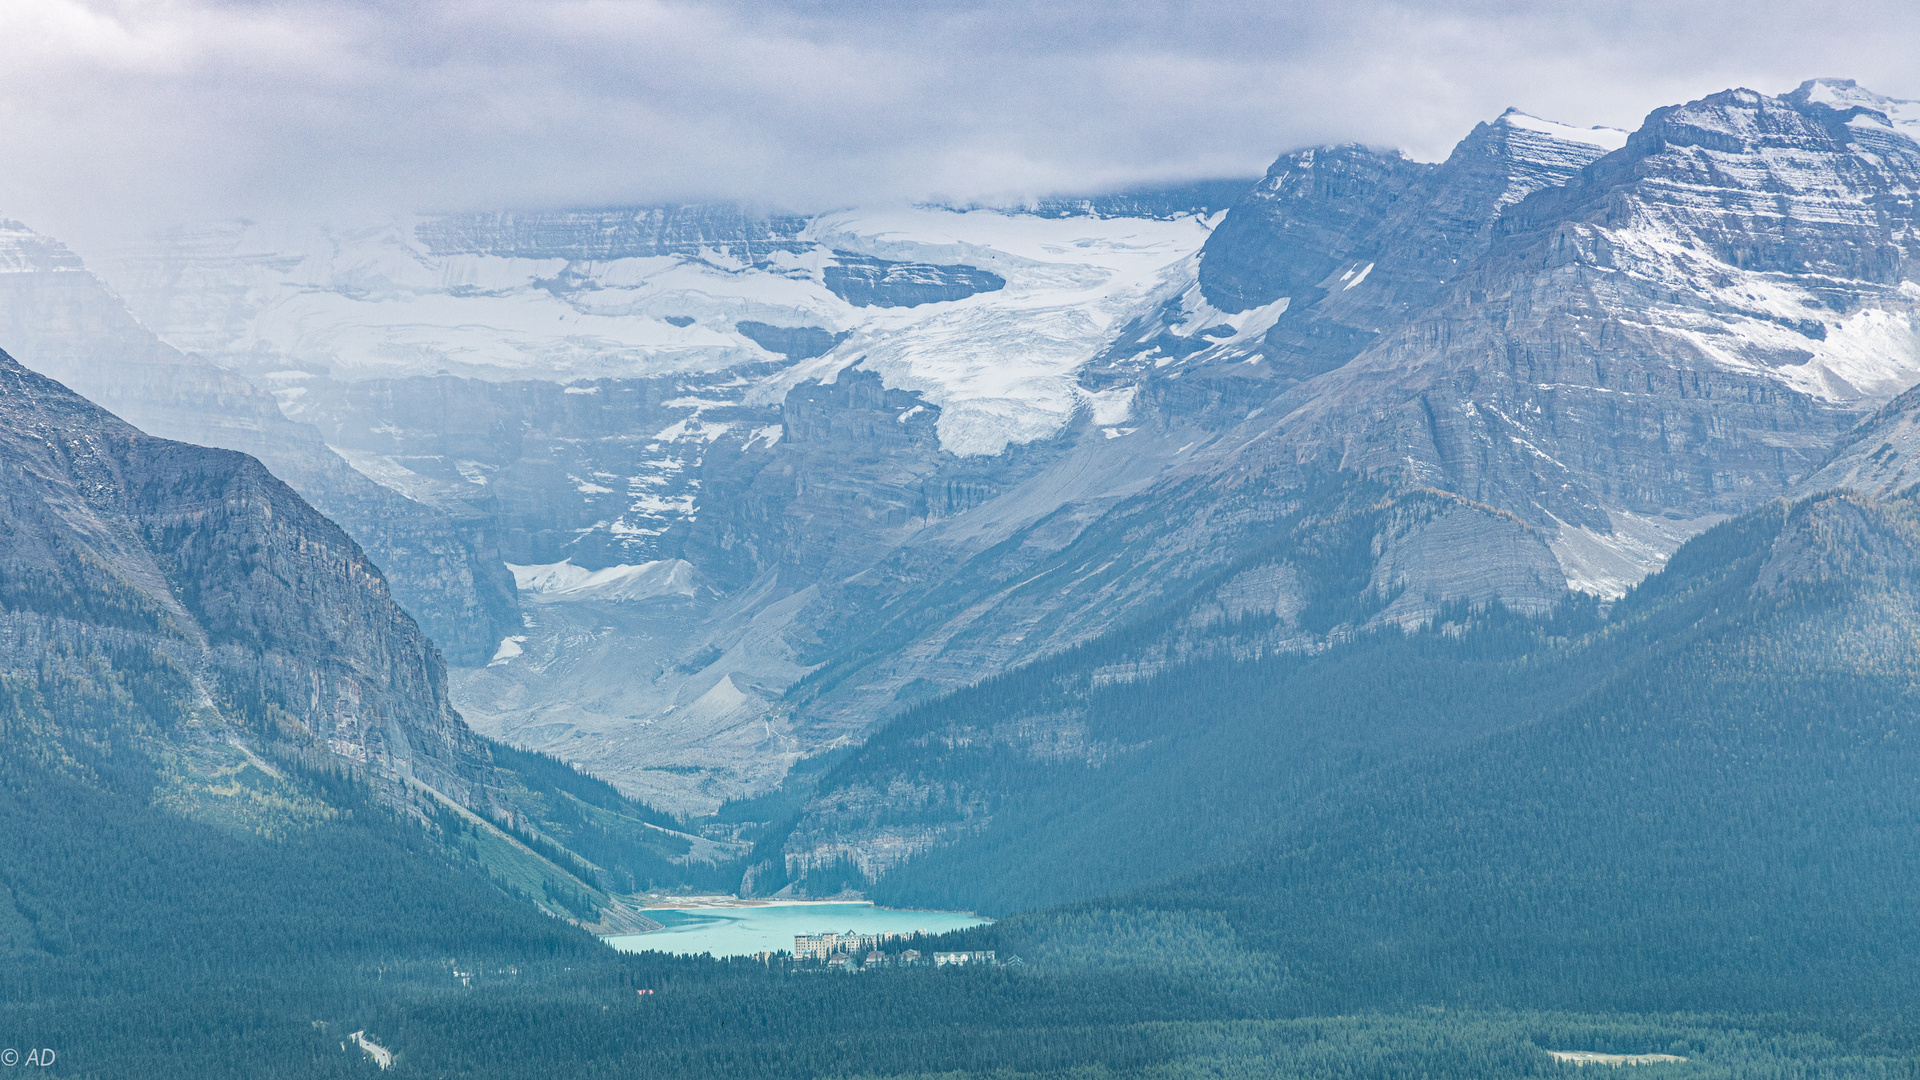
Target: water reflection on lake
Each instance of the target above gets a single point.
(743, 931)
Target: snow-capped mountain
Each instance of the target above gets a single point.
(1553, 393)
(1679, 331)
(668, 387)
(764, 479)
(989, 313)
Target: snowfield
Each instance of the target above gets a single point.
(375, 302)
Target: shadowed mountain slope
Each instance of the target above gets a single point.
(242, 605)
(1699, 803)
(180, 605)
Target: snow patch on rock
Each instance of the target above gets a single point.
(1606, 138)
(565, 581)
(510, 647)
(1608, 564)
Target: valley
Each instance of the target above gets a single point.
(868, 517)
(746, 512)
(1389, 617)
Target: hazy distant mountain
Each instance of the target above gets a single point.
(60, 320)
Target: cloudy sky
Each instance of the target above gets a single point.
(118, 113)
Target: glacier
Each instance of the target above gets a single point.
(380, 301)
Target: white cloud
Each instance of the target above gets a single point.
(115, 112)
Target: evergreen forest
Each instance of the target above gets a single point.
(1684, 825)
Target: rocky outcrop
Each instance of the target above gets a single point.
(1881, 456)
(864, 281)
(194, 589)
(603, 472)
(792, 342)
(1354, 239)
(739, 232)
(1297, 226)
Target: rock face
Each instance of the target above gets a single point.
(864, 281)
(604, 473)
(1596, 352)
(1202, 197)
(61, 321)
(765, 513)
(1678, 331)
(1880, 457)
(189, 586)
(792, 342)
(740, 232)
(1327, 222)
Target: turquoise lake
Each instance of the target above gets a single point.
(744, 931)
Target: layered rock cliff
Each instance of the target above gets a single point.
(1680, 331)
(189, 589)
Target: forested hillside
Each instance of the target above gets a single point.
(1685, 823)
(1178, 739)
(138, 943)
(1704, 802)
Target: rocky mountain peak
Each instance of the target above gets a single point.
(1535, 153)
(24, 250)
(1313, 210)
(1787, 185)
(1843, 95)
(1327, 221)
(1735, 269)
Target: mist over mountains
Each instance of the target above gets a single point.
(1374, 585)
(888, 450)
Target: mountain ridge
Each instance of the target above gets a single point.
(1551, 324)
(271, 615)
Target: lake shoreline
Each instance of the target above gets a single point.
(730, 927)
(697, 903)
